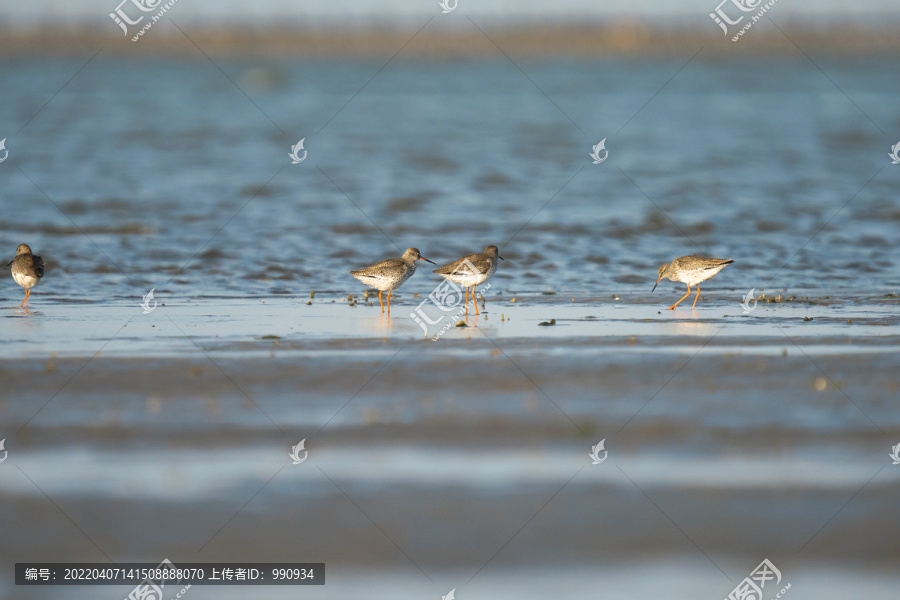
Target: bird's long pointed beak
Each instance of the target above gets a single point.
(500, 257)
(426, 260)
(656, 284)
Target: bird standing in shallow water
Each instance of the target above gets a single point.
(691, 269)
(390, 274)
(471, 271)
(27, 270)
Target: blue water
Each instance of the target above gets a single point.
(732, 437)
(142, 173)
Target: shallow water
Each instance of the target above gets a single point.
(147, 174)
(732, 436)
(330, 324)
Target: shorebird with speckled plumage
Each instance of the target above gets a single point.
(390, 274)
(691, 269)
(472, 270)
(27, 270)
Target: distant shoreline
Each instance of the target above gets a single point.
(592, 40)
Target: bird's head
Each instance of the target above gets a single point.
(660, 274)
(413, 254)
(493, 251)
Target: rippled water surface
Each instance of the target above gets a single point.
(143, 173)
(462, 462)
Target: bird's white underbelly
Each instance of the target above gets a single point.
(382, 283)
(695, 277)
(468, 279)
(26, 281)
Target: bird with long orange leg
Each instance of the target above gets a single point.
(27, 270)
(691, 270)
(471, 271)
(388, 275)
